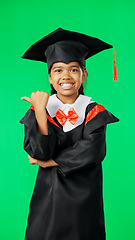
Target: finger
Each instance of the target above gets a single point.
(32, 163)
(36, 161)
(41, 163)
(29, 157)
(26, 99)
(32, 160)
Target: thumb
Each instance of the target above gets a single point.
(26, 99)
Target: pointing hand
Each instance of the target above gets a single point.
(37, 99)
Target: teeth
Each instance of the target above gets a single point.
(66, 84)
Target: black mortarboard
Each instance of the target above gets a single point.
(66, 46)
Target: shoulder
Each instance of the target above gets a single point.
(97, 115)
(29, 117)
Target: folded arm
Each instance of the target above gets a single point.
(92, 149)
(83, 154)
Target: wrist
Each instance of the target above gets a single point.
(39, 108)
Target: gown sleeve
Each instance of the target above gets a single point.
(89, 151)
(36, 144)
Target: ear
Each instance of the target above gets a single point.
(50, 78)
(84, 76)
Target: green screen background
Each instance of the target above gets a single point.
(22, 24)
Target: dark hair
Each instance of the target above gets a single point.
(81, 89)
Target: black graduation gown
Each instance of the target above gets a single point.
(67, 201)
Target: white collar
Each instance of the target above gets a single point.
(79, 105)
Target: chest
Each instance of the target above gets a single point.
(68, 116)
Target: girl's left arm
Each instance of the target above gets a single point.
(83, 154)
(88, 152)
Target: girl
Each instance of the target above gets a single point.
(65, 134)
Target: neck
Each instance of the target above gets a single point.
(67, 99)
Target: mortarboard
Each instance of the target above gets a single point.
(67, 46)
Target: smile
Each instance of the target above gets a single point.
(66, 85)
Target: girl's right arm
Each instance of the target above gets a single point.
(41, 118)
(40, 139)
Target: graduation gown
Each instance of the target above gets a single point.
(67, 201)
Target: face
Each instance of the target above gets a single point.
(67, 78)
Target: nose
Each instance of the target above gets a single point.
(66, 75)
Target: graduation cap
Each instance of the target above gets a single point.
(67, 46)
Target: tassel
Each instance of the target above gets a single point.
(115, 78)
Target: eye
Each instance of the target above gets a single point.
(74, 69)
(58, 70)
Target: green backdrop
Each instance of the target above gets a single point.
(22, 24)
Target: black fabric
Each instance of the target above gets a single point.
(102, 118)
(36, 144)
(65, 46)
(66, 51)
(67, 201)
(83, 154)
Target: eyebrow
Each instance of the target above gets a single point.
(70, 66)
